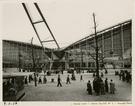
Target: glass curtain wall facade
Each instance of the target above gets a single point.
(19, 55)
(113, 42)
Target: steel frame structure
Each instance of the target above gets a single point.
(37, 22)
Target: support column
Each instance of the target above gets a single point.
(66, 61)
(103, 46)
(86, 53)
(51, 62)
(79, 56)
(74, 56)
(19, 60)
(112, 47)
(122, 45)
(122, 42)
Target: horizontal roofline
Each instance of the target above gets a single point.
(99, 32)
(23, 43)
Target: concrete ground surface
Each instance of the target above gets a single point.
(76, 91)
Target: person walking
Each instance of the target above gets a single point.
(106, 72)
(29, 78)
(98, 85)
(106, 85)
(120, 75)
(102, 87)
(81, 78)
(45, 79)
(123, 76)
(112, 87)
(59, 81)
(40, 81)
(102, 75)
(26, 80)
(68, 80)
(89, 88)
(94, 75)
(73, 76)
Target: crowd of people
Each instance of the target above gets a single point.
(101, 87)
(124, 75)
(98, 86)
(43, 80)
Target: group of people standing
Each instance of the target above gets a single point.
(124, 75)
(44, 80)
(40, 80)
(100, 87)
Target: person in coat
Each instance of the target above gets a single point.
(102, 87)
(106, 85)
(89, 88)
(112, 87)
(45, 80)
(81, 78)
(98, 85)
(59, 81)
(26, 81)
(68, 80)
(40, 81)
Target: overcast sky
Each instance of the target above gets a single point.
(69, 20)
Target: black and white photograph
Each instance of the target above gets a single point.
(67, 50)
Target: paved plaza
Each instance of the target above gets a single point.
(76, 91)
